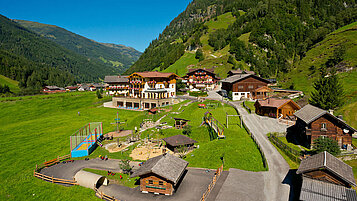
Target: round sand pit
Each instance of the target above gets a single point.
(144, 152)
(122, 133)
(113, 147)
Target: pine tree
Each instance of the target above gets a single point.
(328, 92)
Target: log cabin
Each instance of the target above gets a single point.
(325, 177)
(180, 123)
(313, 122)
(174, 143)
(276, 108)
(243, 86)
(161, 174)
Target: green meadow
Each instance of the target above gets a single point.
(37, 128)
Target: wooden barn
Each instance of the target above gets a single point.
(276, 108)
(244, 86)
(313, 122)
(180, 123)
(325, 177)
(175, 142)
(161, 174)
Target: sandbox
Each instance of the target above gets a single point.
(145, 152)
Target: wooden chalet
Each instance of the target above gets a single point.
(161, 174)
(180, 123)
(244, 86)
(53, 89)
(326, 177)
(117, 85)
(276, 108)
(313, 122)
(174, 143)
(262, 92)
(71, 88)
(204, 79)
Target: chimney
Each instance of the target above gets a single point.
(330, 111)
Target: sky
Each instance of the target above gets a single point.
(132, 23)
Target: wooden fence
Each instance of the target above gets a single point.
(104, 196)
(36, 172)
(213, 182)
(291, 153)
(246, 107)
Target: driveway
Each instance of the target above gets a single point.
(269, 185)
(193, 185)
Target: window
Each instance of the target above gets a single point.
(323, 125)
(240, 87)
(250, 87)
(236, 94)
(161, 183)
(151, 182)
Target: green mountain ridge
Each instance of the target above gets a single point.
(118, 56)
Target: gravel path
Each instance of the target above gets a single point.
(270, 185)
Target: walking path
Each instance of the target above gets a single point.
(269, 185)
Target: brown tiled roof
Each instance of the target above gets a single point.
(178, 140)
(314, 190)
(325, 160)
(167, 166)
(150, 74)
(264, 89)
(274, 102)
(310, 113)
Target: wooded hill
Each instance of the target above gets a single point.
(35, 61)
(278, 33)
(118, 56)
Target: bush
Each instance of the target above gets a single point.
(187, 130)
(326, 144)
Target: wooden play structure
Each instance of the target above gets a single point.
(214, 124)
(180, 123)
(85, 140)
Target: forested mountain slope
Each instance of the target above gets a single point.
(277, 33)
(118, 56)
(35, 61)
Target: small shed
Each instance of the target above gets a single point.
(180, 123)
(325, 167)
(90, 180)
(276, 108)
(161, 174)
(153, 111)
(175, 142)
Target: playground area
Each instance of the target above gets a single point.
(148, 150)
(84, 141)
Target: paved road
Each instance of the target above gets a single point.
(244, 185)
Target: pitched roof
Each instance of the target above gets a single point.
(178, 140)
(115, 79)
(235, 71)
(314, 190)
(275, 102)
(152, 74)
(327, 161)
(238, 77)
(52, 87)
(167, 166)
(310, 113)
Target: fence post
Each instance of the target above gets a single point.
(52, 178)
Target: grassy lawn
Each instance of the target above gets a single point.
(353, 164)
(37, 128)
(13, 85)
(292, 164)
(125, 181)
(238, 148)
(250, 105)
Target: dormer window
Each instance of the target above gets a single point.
(323, 127)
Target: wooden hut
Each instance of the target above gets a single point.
(175, 142)
(277, 108)
(180, 123)
(161, 174)
(326, 177)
